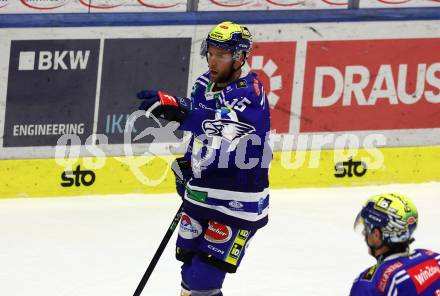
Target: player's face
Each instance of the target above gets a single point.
(373, 239)
(219, 63)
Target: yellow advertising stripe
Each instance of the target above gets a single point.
(382, 166)
(120, 175)
(44, 177)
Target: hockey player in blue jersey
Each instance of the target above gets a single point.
(388, 222)
(223, 177)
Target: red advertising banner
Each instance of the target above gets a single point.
(274, 63)
(371, 85)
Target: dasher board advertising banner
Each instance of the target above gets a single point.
(90, 6)
(229, 5)
(378, 84)
(327, 79)
(51, 90)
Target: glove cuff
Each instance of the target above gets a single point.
(166, 99)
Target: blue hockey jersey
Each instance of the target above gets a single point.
(402, 274)
(229, 152)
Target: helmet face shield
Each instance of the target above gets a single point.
(358, 225)
(369, 218)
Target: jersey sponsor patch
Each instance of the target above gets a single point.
(238, 246)
(189, 228)
(424, 274)
(387, 274)
(218, 233)
(196, 195)
(235, 251)
(235, 205)
(244, 234)
(241, 84)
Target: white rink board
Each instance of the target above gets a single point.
(398, 3)
(102, 245)
(233, 5)
(87, 6)
(300, 34)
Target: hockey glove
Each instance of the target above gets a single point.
(183, 172)
(164, 105)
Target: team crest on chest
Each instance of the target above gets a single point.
(227, 128)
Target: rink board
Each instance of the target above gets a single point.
(121, 175)
(68, 74)
(295, 61)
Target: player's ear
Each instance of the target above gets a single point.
(241, 60)
(377, 234)
(242, 57)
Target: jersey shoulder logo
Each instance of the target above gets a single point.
(241, 83)
(369, 273)
(387, 274)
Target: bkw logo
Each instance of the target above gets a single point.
(56, 60)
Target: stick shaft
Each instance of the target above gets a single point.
(158, 253)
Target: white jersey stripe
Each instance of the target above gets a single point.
(232, 195)
(201, 83)
(404, 278)
(263, 98)
(242, 215)
(393, 282)
(204, 78)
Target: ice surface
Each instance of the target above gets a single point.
(101, 245)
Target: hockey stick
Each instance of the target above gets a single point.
(159, 252)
